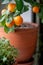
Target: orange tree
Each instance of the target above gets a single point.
(10, 17)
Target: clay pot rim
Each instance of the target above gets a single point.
(35, 25)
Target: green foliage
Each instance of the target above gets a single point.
(20, 8)
(2, 18)
(7, 52)
(8, 16)
(26, 8)
(8, 30)
(19, 4)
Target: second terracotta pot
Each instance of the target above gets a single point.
(24, 39)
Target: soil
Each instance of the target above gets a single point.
(24, 26)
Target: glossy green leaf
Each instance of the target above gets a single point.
(4, 59)
(26, 8)
(3, 23)
(19, 4)
(2, 18)
(16, 13)
(6, 13)
(7, 30)
(9, 19)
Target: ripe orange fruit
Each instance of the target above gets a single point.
(11, 7)
(10, 24)
(35, 9)
(18, 20)
(3, 11)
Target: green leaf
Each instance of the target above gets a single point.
(26, 8)
(42, 20)
(40, 15)
(3, 23)
(7, 30)
(3, 0)
(6, 13)
(16, 13)
(4, 59)
(9, 19)
(19, 4)
(0, 24)
(2, 18)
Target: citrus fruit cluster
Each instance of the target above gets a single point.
(11, 15)
(17, 20)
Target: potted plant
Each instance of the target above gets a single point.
(22, 35)
(8, 53)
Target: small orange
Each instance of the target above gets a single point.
(11, 7)
(35, 9)
(10, 24)
(3, 11)
(18, 20)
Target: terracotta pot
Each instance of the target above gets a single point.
(15, 63)
(30, 62)
(24, 39)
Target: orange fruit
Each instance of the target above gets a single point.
(10, 24)
(11, 7)
(3, 11)
(35, 9)
(18, 20)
